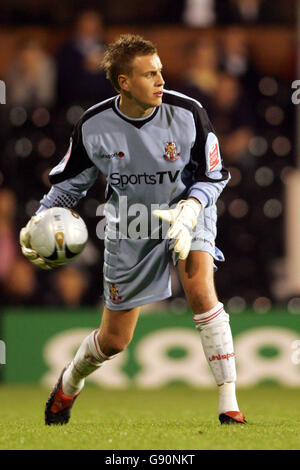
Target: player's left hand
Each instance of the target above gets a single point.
(28, 251)
(182, 220)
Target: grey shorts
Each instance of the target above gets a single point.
(137, 271)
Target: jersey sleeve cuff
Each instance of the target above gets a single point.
(200, 196)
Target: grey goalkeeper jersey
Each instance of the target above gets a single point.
(170, 155)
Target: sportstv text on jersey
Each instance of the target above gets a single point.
(116, 179)
(134, 221)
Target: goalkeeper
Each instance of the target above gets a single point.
(155, 147)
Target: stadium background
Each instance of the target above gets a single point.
(239, 59)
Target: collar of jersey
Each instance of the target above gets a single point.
(137, 122)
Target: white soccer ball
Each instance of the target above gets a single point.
(58, 235)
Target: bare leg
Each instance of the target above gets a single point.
(116, 329)
(115, 333)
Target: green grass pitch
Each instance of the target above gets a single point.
(172, 418)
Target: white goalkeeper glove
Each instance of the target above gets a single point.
(182, 220)
(27, 250)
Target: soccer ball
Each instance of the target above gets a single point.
(58, 235)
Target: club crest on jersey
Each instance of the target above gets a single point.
(114, 294)
(171, 152)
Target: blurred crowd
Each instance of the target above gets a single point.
(252, 116)
(194, 13)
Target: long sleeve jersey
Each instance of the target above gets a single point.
(171, 154)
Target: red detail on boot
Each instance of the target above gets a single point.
(236, 415)
(61, 401)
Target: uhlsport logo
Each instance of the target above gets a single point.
(171, 152)
(221, 356)
(113, 155)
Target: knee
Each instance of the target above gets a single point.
(112, 344)
(202, 299)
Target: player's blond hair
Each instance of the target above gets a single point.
(120, 53)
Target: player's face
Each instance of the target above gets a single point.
(144, 86)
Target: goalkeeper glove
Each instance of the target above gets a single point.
(182, 220)
(27, 250)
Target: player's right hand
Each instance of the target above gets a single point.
(27, 250)
(182, 220)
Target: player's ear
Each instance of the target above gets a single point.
(123, 82)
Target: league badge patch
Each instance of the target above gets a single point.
(213, 157)
(171, 152)
(114, 294)
(68, 154)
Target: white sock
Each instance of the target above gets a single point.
(88, 358)
(217, 344)
(227, 398)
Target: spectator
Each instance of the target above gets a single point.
(236, 61)
(252, 12)
(20, 285)
(31, 77)
(80, 77)
(233, 120)
(70, 287)
(248, 11)
(199, 13)
(201, 77)
(8, 239)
